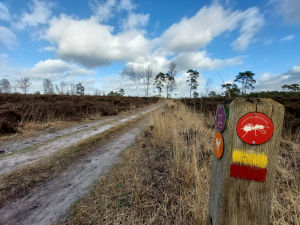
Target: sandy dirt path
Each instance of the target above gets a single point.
(48, 147)
(22, 143)
(50, 201)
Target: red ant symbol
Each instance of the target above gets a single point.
(249, 127)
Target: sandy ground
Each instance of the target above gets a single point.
(46, 144)
(22, 143)
(19, 144)
(50, 201)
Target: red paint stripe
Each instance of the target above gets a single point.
(248, 172)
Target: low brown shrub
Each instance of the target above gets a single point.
(17, 109)
(9, 121)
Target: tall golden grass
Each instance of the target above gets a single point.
(188, 138)
(164, 177)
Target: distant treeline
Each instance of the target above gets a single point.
(273, 94)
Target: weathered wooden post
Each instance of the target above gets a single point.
(243, 172)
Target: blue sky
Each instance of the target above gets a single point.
(97, 42)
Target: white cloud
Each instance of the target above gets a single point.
(7, 38)
(251, 24)
(183, 61)
(288, 38)
(265, 77)
(126, 5)
(289, 9)
(135, 21)
(39, 13)
(104, 11)
(295, 69)
(273, 82)
(93, 44)
(4, 65)
(200, 60)
(158, 64)
(50, 49)
(196, 32)
(56, 69)
(4, 12)
(51, 66)
(116, 82)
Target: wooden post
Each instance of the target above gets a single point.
(241, 180)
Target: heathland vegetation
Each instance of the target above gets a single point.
(17, 109)
(164, 178)
(60, 102)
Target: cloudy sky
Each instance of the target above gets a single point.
(95, 41)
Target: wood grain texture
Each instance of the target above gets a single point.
(236, 201)
(217, 183)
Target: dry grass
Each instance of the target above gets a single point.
(164, 178)
(286, 192)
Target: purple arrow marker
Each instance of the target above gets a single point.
(220, 119)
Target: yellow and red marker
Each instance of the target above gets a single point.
(249, 165)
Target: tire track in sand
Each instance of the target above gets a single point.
(21, 159)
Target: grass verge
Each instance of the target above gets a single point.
(20, 182)
(164, 178)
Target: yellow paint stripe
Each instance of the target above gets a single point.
(251, 158)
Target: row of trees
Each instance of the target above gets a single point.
(145, 75)
(121, 92)
(166, 80)
(22, 83)
(48, 87)
(291, 87)
(246, 79)
(61, 88)
(141, 73)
